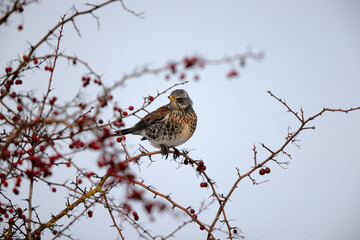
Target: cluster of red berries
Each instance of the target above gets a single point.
(103, 100)
(121, 138)
(136, 216)
(190, 62)
(203, 184)
(7, 211)
(8, 69)
(49, 68)
(262, 171)
(77, 144)
(192, 211)
(18, 82)
(98, 82)
(201, 166)
(52, 100)
(85, 80)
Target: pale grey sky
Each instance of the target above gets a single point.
(312, 59)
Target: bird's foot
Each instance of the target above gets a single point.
(164, 151)
(176, 153)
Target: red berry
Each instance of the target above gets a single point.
(90, 213)
(8, 69)
(235, 231)
(21, 9)
(202, 227)
(80, 181)
(182, 76)
(151, 98)
(16, 191)
(136, 218)
(100, 121)
(18, 179)
(68, 164)
(74, 61)
(25, 58)
(134, 214)
(267, 170)
(19, 108)
(125, 113)
(262, 171)
(172, 67)
(194, 216)
(53, 189)
(192, 211)
(131, 108)
(36, 60)
(118, 139)
(20, 27)
(232, 73)
(123, 138)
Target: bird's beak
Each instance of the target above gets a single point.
(172, 98)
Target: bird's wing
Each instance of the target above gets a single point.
(151, 118)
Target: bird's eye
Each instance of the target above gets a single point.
(180, 100)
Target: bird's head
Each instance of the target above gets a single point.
(179, 99)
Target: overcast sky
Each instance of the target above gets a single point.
(312, 59)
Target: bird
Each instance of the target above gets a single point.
(168, 126)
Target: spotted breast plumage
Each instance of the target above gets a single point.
(168, 126)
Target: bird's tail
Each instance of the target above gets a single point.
(123, 131)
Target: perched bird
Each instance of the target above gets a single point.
(168, 126)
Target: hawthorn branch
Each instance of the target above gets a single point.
(274, 153)
(51, 31)
(52, 72)
(9, 12)
(70, 207)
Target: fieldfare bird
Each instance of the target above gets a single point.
(168, 126)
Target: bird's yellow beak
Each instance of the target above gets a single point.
(172, 98)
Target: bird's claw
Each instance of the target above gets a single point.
(164, 151)
(176, 153)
